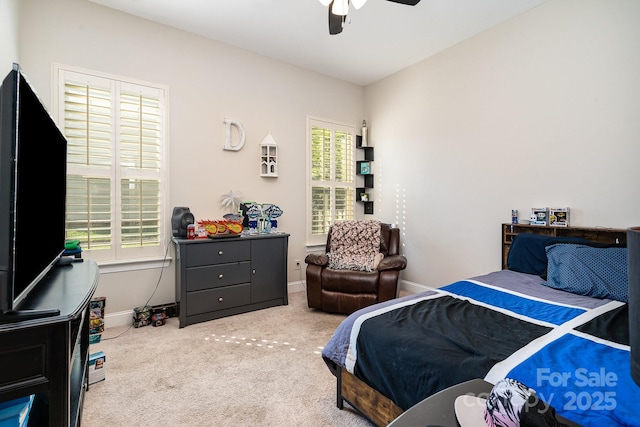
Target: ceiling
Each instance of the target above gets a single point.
(382, 37)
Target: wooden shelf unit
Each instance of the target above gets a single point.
(595, 234)
(367, 178)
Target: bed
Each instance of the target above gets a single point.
(560, 327)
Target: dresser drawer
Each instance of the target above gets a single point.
(218, 299)
(218, 252)
(215, 276)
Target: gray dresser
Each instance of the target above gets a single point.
(230, 275)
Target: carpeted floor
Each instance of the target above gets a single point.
(256, 369)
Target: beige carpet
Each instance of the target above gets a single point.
(256, 369)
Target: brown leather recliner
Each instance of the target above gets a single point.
(345, 291)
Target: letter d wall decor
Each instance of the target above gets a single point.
(228, 145)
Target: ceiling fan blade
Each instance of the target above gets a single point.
(407, 2)
(335, 22)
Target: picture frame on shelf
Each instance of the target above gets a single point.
(365, 168)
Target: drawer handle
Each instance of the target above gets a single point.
(220, 253)
(220, 276)
(220, 299)
(253, 271)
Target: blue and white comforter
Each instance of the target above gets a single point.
(505, 324)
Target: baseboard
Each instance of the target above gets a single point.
(413, 288)
(122, 318)
(298, 286)
(125, 318)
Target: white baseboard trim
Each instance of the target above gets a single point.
(413, 287)
(125, 318)
(122, 318)
(298, 286)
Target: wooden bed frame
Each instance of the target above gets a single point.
(381, 410)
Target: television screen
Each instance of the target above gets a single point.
(33, 155)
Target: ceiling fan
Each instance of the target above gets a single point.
(339, 9)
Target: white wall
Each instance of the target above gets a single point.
(539, 111)
(9, 53)
(208, 82)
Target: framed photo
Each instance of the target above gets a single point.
(365, 168)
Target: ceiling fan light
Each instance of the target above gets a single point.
(340, 7)
(325, 2)
(358, 3)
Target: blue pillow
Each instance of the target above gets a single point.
(590, 271)
(527, 253)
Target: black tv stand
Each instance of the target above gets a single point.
(20, 315)
(49, 356)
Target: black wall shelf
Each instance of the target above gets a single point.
(364, 169)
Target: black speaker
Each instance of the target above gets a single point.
(180, 219)
(633, 254)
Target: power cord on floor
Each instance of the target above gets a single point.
(164, 260)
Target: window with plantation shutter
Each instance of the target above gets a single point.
(115, 164)
(331, 190)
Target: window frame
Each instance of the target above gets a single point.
(117, 254)
(334, 126)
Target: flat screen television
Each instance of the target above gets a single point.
(33, 167)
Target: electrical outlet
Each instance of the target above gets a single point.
(297, 264)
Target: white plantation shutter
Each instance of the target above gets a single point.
(115, 165)
(140, 217)
(140, 163)
(89, 211)
(87, 124)
(140, 132)
(331, 177)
